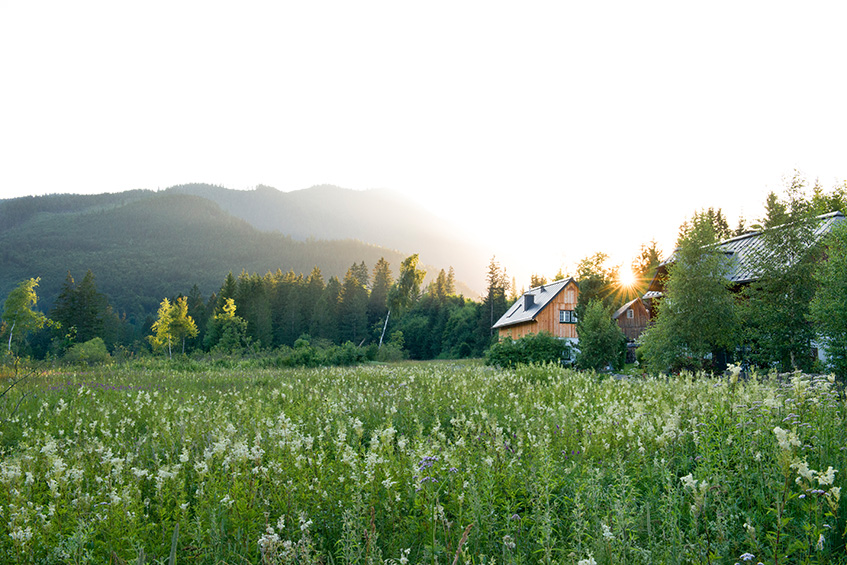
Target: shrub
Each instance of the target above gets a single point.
(533, 348)
(92, 352)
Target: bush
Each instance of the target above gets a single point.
(601, 341)
(92, 352)
(540, 348)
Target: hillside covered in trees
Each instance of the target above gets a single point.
(104, 264)
(143, 245)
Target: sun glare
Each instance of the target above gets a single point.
(626, 277)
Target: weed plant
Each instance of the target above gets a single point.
(421, 463)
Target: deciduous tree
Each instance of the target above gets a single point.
(829, 305)
(696, 317)
(19, 314)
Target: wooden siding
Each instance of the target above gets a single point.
(548, 319)
(632, 327)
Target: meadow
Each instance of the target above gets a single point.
(420, 463)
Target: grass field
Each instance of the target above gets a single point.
(420, 463)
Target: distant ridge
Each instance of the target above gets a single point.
(377, 216)
(145, 245)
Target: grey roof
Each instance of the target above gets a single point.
(742, 249)
(541, 297)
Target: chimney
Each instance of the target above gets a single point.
(528, 301)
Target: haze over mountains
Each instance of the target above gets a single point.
(145, 245)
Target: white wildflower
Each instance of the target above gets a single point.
(589, 561)
(828, 477)
(607, 531)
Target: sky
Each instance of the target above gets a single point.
(548, 130)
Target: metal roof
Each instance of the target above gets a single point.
(742, 251)
(744, 248)
(541, 296)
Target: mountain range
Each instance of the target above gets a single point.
(144, 245)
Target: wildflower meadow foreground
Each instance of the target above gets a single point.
(420, 463)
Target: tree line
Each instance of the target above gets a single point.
(257, 314)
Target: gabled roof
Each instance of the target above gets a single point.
(742, 249)
(619, 312)
(540, 296)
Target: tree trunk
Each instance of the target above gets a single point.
(10, 335)
(383, 329)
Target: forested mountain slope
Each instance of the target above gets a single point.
(379, 217)
(143, 246)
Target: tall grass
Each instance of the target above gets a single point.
(421, 463)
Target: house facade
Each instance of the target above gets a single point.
(548, 308)
(632, 318)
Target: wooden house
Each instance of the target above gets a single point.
(740, 252)
(632, 318)
(547, 308)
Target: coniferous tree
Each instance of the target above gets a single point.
(80, 309)
(451, 282)
(254, 306)
(325, 318)
(378, 300)
(353, 307)
(311, 294)
(494, 302)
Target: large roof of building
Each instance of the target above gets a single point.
(743, 249)
(540, 298)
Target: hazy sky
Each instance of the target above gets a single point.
(551, 129)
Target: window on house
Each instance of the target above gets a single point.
(567, 316)
(630, 314)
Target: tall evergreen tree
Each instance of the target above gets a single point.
(325, 317)
(378, 300)
(311, 295)
(494, 302)
(81, 309)
(353, 308)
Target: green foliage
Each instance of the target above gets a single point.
(172, 325)
(19, 313)
(91, 352)
(533, 348)
(149, 245)
(227, 333)
(829, 305)
(775, 308)
(408, 287)
(391, 464)
(697, 317)
(494, 303)
(601, 341)
(596, 282)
